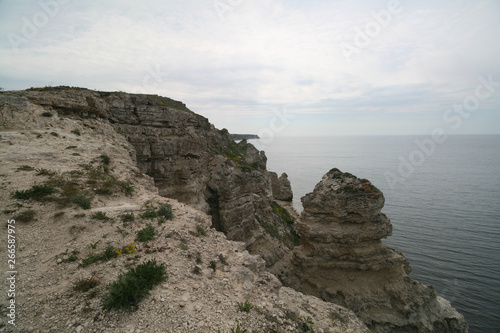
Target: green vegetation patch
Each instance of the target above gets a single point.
(245, 307)
(146, 234)
(36, 192)
(166, 211)
(133, 286)
(236, 152)
(282, 228)
(109, 253)
(283, 213)
(100, 216)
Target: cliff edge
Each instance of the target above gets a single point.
(129, 155)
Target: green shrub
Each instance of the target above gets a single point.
(165, 210)
(307, 325)
(107, 254)
(25, 216)
(149, 214)
(134, 285)
(200, 231)
(146, 234)
(128, 217)
(82, 200)
(36, 192)
(127, 187)
(213, 265)
(105, 159)
(245, 307)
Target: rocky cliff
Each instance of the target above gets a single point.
(333, 251)
(79, 202)
(187, 157)
(343, 260)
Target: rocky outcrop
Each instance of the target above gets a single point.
(341, 257)
(343, 260)
(187, 157)
(282, 189)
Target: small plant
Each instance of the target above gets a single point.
(109, 253)
(127, 187)
(72, 257)
(105, 159)
(213, 265)
(127, 249)
(223, 259)
(165, 210)
(104, 236)
(307, 325)
(94, 245)
(76, 131)
(85, 285)
(82, 200)
(238, 329)
(100, 216)
(128, 217)
(25, 168)
(36, 192)
(200, 231)
(183, 246)
(146, 234)
(44, 172)
(25, 216)
(134, 285)
(149, 214)
(245, 307)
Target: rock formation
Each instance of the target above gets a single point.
(282, 189)
(187, 157)
(343, 260)
(341, 257)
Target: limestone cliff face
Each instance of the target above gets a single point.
(342, 259)
(187, 157)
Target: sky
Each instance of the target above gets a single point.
(272, 67)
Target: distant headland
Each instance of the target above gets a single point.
(244, 136)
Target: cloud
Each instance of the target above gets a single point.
(238, 61)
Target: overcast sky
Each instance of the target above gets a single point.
(285, 67)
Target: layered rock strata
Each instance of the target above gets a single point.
(343, 260)
(188, 158)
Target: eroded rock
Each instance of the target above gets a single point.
(343, 260)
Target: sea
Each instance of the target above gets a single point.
(442, 197)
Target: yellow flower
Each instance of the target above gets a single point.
(119, 252)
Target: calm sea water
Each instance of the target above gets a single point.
(445, 214)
